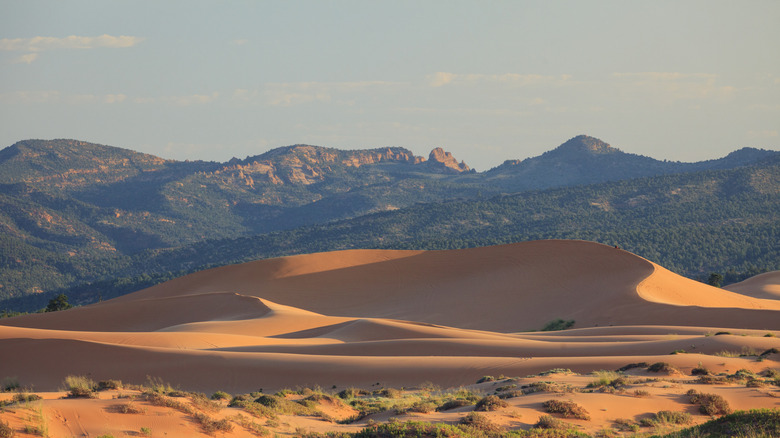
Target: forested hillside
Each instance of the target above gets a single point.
(73, 213)
(695, 223)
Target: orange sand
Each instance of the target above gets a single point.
(398, 318)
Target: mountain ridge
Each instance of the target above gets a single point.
(70, 217)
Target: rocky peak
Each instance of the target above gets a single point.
(440, 159)
(586, 144)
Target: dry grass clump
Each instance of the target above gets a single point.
(712, 380)
(128, 408)
(23, 397)
(626, 425)
(709, 404)
(9, 384)
(641, 393)
(490, 403)
(6, 431)
(80, 387)
(208, 424)
(662, 418)
(220, 395)
(567, 409)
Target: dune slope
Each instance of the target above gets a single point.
(395, 317)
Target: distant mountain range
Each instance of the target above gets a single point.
(74, 212)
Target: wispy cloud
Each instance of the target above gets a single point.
(41, 43)
(38, 44)
(674, 86)
(295, 93)
(184, 100)
(26, 59)
(53, 97)
(767, 133)
(439, 79)
(239, 42)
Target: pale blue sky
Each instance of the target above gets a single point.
(486, 80)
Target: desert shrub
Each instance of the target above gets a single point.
(722, 333)
(567, 409)
(80, 386)
(390, 392)
(479, 422)
(484, 379)
(672, 417)
(239, 400)
(700, 370)
(506, 388)
(104, 385)
(146, 431)
(711, 380)
(756, 423)
(662, 367)
(421, 406)
(490, 403)
(549, 422)
(9, 384)
(351, 393)
(633, 365)
(270, 401)
(210, 425)
(202, 402)
(558, 324)
(769, 351)
(641, 393)
(6, 431)
(554, 371)
(220, 395)
(23, 397)
(452, 404)
(128, 408)
(771, 373)
(156, 385)
(608, 378)
(626, 425)
(709, 404)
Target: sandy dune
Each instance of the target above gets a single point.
(398, 318)
(765, 286)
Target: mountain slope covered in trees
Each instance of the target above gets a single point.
(72, 213)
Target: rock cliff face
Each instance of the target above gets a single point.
(441, 160)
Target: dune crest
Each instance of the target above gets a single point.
(765, 286)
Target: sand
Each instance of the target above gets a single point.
(370, 318)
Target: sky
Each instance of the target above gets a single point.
(486, 80)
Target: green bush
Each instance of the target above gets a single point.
(220, 395)
(558, 324)
(756, 423)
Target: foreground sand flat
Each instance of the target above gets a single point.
(398, 318)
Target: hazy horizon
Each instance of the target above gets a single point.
(683, 81)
